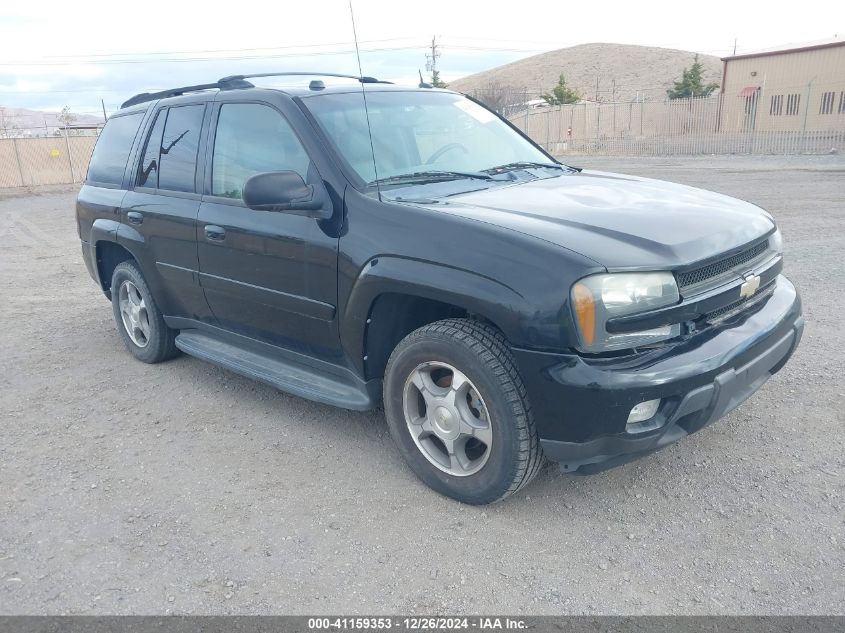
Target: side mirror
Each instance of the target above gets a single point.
(284, 191)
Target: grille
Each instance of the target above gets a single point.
(736, 306)
(696, 276)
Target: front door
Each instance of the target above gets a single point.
(268, 275)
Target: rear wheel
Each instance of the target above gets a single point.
(457, 410)
(139, 321)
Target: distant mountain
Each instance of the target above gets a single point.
(623, 71)
(20, 121)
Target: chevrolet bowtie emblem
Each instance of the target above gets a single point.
(750, 286)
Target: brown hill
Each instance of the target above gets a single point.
(23, 122)
(643, 71)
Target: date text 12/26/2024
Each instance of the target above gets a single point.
(415, 623)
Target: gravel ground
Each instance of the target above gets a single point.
(183, 488)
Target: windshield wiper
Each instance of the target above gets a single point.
(522, 165)
(431, 176)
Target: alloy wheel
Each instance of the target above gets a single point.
(447, 418)
(133, 312)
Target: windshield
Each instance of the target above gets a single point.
(419, 133)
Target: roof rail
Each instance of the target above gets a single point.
(234, 82)
(227, 83)
(363, 80)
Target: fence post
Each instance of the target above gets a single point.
(586, 129)
(18, 160)
(598, 126)
(559, 124)
(69, 159)
(804, 124)
(642, 115)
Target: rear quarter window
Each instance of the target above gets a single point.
(108, 161)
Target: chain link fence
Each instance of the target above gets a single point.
(47, 160)
(702, 125)
(717, 124)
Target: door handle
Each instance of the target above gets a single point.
(216, 233)
(134, 217)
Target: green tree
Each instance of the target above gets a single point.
(691, 83)
(561, 94)
(436, 82)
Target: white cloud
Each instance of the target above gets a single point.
(72, 51)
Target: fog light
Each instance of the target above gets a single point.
(643, 411)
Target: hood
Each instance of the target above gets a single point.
(618, 221)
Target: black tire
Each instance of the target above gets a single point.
(160, 344)
(482, 354)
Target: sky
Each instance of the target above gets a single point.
(54, 54)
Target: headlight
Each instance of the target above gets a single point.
(598, 298)
(776, 242)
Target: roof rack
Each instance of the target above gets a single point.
(363, 80)
(234, 82)
(227, 83)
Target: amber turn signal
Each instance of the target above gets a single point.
(585, 312)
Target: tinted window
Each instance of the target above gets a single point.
(177, 164)
(148, 169)
(112, 150)
(252, 139)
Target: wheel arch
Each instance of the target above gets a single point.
(393, 296)
(109, 255)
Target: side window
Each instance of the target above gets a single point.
(148, 169)
(177, 165)
(251, 139)
(108, 161)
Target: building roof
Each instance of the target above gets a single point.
(785, 51)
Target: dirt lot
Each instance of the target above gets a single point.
(180, 487)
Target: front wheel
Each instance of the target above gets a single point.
(457, 409)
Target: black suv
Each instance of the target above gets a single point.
(361, 242)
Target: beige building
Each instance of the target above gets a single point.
(797, 89)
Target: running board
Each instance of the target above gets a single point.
(284, 374)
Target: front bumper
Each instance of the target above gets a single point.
(581, 405)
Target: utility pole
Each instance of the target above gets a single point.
(431, 64)
(734, 46)
(105, 118)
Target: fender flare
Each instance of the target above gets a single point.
(102, 230)
(475, 293)
(128, 238)
(131, 239)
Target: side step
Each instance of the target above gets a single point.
(284, 374)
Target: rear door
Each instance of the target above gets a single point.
(102, 194)
(269, 275)
(160, 210)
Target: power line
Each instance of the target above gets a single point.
(211, 54)
(151, 58)
(114, 62)
(225, 50)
